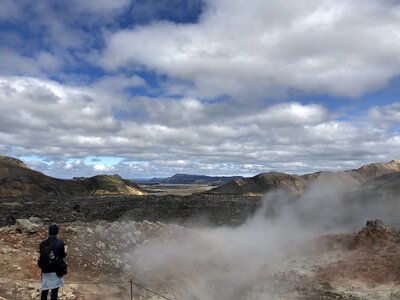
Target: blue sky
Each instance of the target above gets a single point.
(152, 88)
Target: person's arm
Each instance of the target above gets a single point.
(40, 251)
(63, 252)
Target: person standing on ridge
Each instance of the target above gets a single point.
(52, 253)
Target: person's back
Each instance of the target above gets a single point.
(52, 252)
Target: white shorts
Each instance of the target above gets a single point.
(51, 281)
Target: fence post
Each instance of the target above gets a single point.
(131, 281)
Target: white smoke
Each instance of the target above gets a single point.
(228, 263)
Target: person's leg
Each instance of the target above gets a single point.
(54, 294)
(43, 295)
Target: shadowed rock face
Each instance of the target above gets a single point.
(16, 179)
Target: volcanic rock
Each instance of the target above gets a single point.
(374, 233)
(30, 225)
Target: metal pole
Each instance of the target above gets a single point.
(131, 281)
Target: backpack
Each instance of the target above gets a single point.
(61, 268)
(48, 259)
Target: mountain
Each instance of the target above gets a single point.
(17, 179)
(193, 179)
(110, 184)
(296, 185)
(261, 183)
(377, 169)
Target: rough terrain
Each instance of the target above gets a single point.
(361, 265)
(215, 209)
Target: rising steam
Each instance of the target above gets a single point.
(227, 263)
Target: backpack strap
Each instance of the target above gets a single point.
(50, 244)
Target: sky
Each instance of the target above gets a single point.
(151, 88)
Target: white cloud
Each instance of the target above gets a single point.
(388, 115)
(47, 119)
(289, 114)
(336, 47)
(13, 63)
(46, 108)
(119, 82)
(101, 167)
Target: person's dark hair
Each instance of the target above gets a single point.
(53, 229)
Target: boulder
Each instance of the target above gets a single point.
(27, 226)
(374, 233)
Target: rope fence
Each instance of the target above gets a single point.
(130, 281)
(135, 283)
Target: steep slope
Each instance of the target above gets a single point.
(377, 169)
(262, 183)
(16, 179)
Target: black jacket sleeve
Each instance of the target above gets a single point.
(61, 249)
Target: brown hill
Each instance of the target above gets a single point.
(16, 179)
(111, 184)
(262, 183)
(377, 169)
(296, 185)
(12, 161)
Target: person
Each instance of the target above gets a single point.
(50, 279)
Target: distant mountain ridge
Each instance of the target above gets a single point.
(17, 179)
(193, 179)
(296, 185)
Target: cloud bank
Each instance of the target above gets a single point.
(214, 87)
(344, 48)
(46, 119)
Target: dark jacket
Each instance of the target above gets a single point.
(59, 250)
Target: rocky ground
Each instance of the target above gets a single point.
(361, 265)
(95, 258)
(176, 189)
(215, 209)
